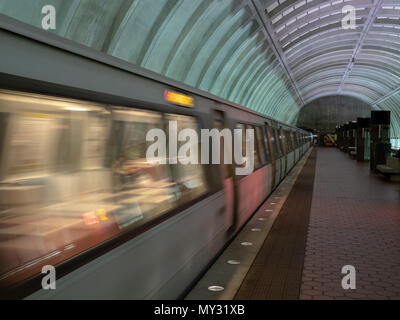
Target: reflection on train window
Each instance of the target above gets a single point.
(74, 174)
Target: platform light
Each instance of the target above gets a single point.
(246, 243)
(234, 262)
(178, 98)
(216, 288)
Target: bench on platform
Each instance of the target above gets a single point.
(391, 169)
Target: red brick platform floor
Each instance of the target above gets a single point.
(354, 220)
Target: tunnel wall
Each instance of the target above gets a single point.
(325, 113)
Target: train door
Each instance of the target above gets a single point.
(287, 148)
(220, 123)
(283, 145)
(273, 155)
(290, 150)
(281, 155)
(295, 146)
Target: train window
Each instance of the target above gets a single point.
(142, 189)
(54, 207)
(70, 131)
(219, 124)
(281, 142)
(288, 141)
(43, 207)
(190, 178)
(256, 152)
(284, 141)
(292, 142)
(266, 145)
(261, 146)
(28, 153)
(274, 145)
(278, 138)
(95, 140)
(295, 140)
(244, 152)
(3, 128)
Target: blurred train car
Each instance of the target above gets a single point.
(77, 192)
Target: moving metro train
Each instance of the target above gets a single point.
(77, 193)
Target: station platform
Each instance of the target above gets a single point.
(328, 213)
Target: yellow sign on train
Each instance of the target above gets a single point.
(178, 98)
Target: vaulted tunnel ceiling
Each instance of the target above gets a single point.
(273, 56)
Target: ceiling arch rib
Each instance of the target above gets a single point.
(318, 48)
(326, 59)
